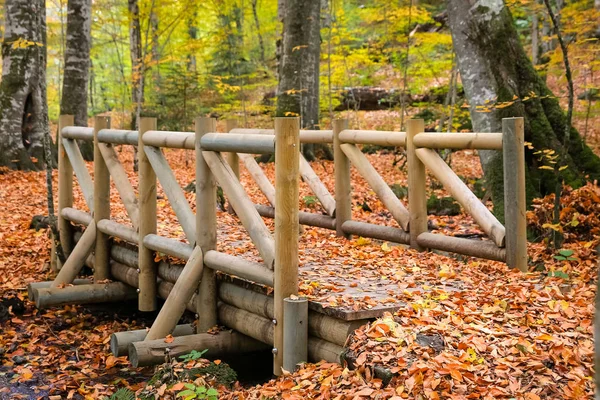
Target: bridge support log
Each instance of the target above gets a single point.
(83, 294)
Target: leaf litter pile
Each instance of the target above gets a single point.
(465, 328)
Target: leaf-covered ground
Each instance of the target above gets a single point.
(471, 328)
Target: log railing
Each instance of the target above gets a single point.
(218, 157)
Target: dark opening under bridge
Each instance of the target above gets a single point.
(257, 300)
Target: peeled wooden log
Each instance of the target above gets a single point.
(238, 143)
(169, 272)
(118, 136)
(256, 172)
(83, 175)
(113, 228)
(314, 182)
(165, 288)
(34, 286)
(237, 266)
(78, 133)
(306, 218)
(84, 294)
(149, 352)
(180, 295)
(459, 140)
(123, 273)
(76, 259)
(295, 333)
(173, 140)
(168, 246)
(463, 195)
(387, 233)
(468, 247)
(319, 349)
(306, 136)
(377, 138)
(119, 341)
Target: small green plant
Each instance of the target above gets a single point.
(310, 201)
(565, 255)
(400, 191)
(558, 274)
(193, 355)
(198, 392)
(123, 394)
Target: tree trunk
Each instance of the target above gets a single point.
(298, 92)
(77, 67)
(496, 71)
(22, 94)
(135, 52)
(261, 44)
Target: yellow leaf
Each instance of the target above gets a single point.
(546, 167)
(386, 247)
(545, 337)
(361, 241)
(563, 167)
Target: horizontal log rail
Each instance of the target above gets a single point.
(76, 216)
(459, 140)
(78, 133)
(387, 233)
(378, 138)
(238, 143)
(168, 139)
(170, 247)
(306, 218)
(467, 247)
(118, 136)
(306, 136)
(115, 229)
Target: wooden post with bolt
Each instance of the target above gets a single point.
(101, 203)
(206, 228)
(287, 161)
(513, 148)
(417, 192)
(232, 158)
(343, 187)
(147, 225)
(65, 188)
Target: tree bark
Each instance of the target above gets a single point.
(135, 52)
(77, 67)
(496, 71)
(22, 89)
(298, 92)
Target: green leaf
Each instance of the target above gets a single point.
(566, 252)
(188, 394)
(558, 274)
(560, 258)
(212, 392)
(190, 386)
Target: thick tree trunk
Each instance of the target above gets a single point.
(298, 92)
(77, 67)
(496, 70)
(22, 95)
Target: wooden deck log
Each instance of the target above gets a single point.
(306, 218)
(101, 203)
(172, 140)
(314, 182)
(113, 228)
(238, 143)
(124, 255)
(76, 260)
(417, 182)
(118, 136)
(206, 223)
(319, 349)
(457, 188)
(383, 191)
(243, 207)
(295, 334)
(258, 175)
(169, 272)
(379, 232)
(147, 206)
(76, 216)
(81, 172)
(287, 163)
(34, 286)
(65, 188)
(121, 181)
(377, 138)
(182, 292)
(343, 185)
(164, 290)
(251, 271)
(171, 247)
(84, 294)
(459, 140)
(468, 247)
(119, 341)
(123, 273)
(150, 352)
(515, 205)
(174, 193)
(78, 133)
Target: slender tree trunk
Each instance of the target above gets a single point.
(22, 95)
(495, 69)
(77, 67)
(261, 44)
(135, 52)
(298, 92)
(535, 37)
(193, 35)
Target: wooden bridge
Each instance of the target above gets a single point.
(257, 300)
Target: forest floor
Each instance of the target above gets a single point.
(502, 334)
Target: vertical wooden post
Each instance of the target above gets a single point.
(147, 224)
(513, 149)
(101, 203)
(417, 189)
(287, 163)
(65, 187)
(343, 186)
(232, 158)
(206, 228)
(295, 334)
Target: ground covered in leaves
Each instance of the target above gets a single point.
(470, 328)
